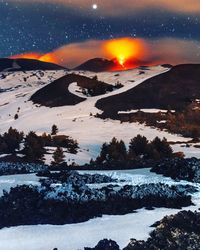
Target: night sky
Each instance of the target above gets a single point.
(44, 26)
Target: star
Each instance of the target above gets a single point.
(94, 6)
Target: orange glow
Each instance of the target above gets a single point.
(31, 55)
(49, 58)
(125, 50)
(41, 57)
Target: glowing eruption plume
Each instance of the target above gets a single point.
(125, 49)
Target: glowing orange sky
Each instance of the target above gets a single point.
(122, 49)
(136, 52)
(49, 57)
(125, 49)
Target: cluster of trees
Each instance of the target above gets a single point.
(33, 146)
(99, 88)
(64, 141)
(139, 148)
(185, 122)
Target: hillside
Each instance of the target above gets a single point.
(97, 65)
(174, 89)
(7, 64)
(78, 117)
(57, 93)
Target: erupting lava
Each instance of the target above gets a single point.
(41, 57)
(127, 51)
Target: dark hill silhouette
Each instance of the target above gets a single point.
(57, 94)
(174, 89)
(97, 65)
(7, 64)
(101, 65)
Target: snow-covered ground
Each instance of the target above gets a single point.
(145, 111)
(90, 132)
(137, 177)
(8, 181)
(75, 121)
(77, 236)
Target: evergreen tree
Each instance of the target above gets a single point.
(54, 130)
(122, 151)
(58, 157)
(114, 151)
(34, 148)
(162, 147)
(12, 140)
(103, 154)
(138, 146)
(3, 145)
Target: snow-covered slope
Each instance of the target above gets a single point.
(77, 121)
(120, 228)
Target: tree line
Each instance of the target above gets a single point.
(139, 148)
(32, 146)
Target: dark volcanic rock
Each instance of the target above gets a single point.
(97, 65)
(105, 245)
(11, 168)
(180, 169)
(175, 232)
(57, 94)
(174, 89)
(76, 178)
(7, 64)
(74, 201)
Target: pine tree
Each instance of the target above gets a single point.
(103, 154)
(162, 147)
(122, 151)
(138, 146)
(34, 148)
(12, 139)
(58, 157)
(54, 130)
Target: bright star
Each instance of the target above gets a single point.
(94, 6)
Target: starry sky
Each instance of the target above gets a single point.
(74, 30)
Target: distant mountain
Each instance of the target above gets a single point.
(103, 65)
(174, 89)
(97, 65)
(7, 64)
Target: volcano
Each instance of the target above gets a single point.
(23, 64)
(97, 65)
(101, 65)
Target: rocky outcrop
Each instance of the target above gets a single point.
(105, 245)
(175, 232)
(179, 169)
(71, 200)
(11, 168)
(74, 177)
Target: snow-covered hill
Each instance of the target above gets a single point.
(77, 121)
